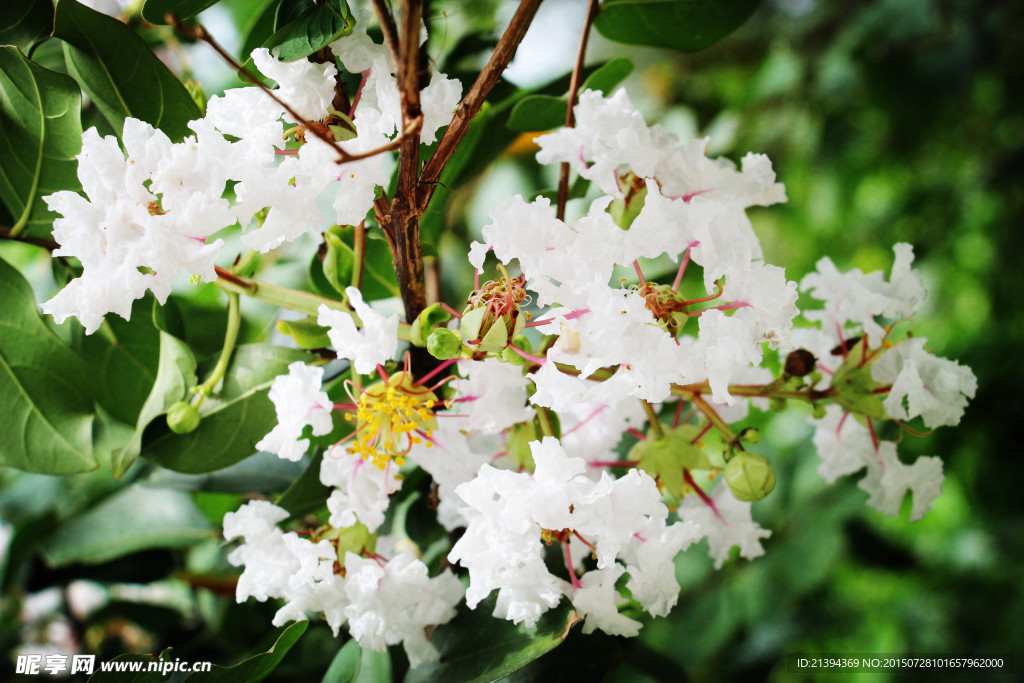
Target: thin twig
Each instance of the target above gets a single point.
(474, 99)
(387, 26)
(574, 84)
(51, 245)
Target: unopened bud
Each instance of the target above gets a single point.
(800, 363)
(749, 476)
(444, 344)
(183, 418)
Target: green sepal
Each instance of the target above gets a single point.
(521, 342)
(854, 385)
(425, 323)
(517, 449)
(496, 338)
(353, 539)
(306, 333)
(471, 322)
(665, 458)
(624, 211)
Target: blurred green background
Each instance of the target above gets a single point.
(888, 121)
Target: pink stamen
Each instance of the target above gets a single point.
(613, 463)
(821, 366)
(839, 427)
(637, 433)
(383, 373)
(201, 240)
(687, 197)
(463, 399)
(679, 412)
(451, 310)
(701, 434)
(874, 437)
(345, 406)
(286, 152)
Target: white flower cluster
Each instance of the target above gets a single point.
(149, 210)
(693, 208)
(916, 382)
(384, 603)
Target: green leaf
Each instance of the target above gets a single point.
(40, 134)
(124, 357)
(133, 519)
(339, 261)
(684, 25)
(45, 389)
(307, 493)
(477, 647)
(234, 418)
(156, 11)
(353, 664)
(313, 29)
(258, 667)
(259, 30)
(538, 112)
(25, 23)
(608, 75)
(120, 73)
(262, 473)
(176, 374)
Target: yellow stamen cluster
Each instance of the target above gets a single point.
(388, 415)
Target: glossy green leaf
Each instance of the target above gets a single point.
(40, 134)
(339, 261)
(258, 667)
(262, 473)
(175, 375)
(235, 417)
(307, 493)
(25, 23)
(156, 11)
(123, 356)
(538, 112)
(259, 29)
(353, 664)
(685, 25)
(608, 75)
(313, 29)
(45, 389)
(133, 519)
(477, 647)
(120, 73)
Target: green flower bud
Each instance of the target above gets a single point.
(778, 404)
(443, 344)
(426, 322)
(354, 539)
(749, 476)
(817, 410)
(182, 418)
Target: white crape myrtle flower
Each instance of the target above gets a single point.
(362, 491)
(853, 297)
(268, 562)
(649, 557)
(492, 397)
(597, 600)
(844, 445)
(888, 481)
(510, 512)
(307, 87)
(126, 242)
(923, 384)
(725, 524)
(592, 430)
(374, 345)
(299, 401)
(393, 603)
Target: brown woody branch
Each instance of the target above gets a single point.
(574, 85)
(49, 244)
(474, 99)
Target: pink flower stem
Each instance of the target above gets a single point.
(286, 152)
(682, 269)
(568, 316)
(433, 372)
(704, 431)
(613, 463)
(637, 433)
(597, 411)
(359, 93)
(639, 273)
(527, 356)
(345, 406)
(700, 492)
(874, 437)
(451, 310)
(568, 565)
